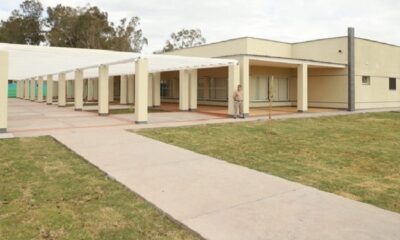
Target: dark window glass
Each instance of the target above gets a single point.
(392, 83)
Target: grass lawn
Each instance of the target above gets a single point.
(48, 192)
(356, 156)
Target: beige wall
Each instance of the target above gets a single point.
(268, 48)
(379, 61)
(325, 50)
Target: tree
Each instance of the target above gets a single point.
(183, 39)
(24, 26)
(89, 27)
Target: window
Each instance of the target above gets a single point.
(167, 88)
(392, 83)
(366, 80)
(259, 88)
(210, 88)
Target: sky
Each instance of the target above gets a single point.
(283, 20)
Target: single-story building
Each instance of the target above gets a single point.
(342, 72)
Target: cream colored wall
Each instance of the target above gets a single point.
(226, 48)
(268, 48)
(325, 50)
(379, 61)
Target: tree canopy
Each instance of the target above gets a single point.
(183, 39)
(64, 26)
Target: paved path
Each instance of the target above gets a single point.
(220, 200)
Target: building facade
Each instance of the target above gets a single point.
(341, 72)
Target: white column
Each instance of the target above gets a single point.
(183, 90)
(33, 88)
(131, 89)
(302, 85)
(111, 89)
(62, 88)
(141, 90)
(123, 90)
(3, 91)
(49, 96)
(26, 89)
(233, 82)
(103, 90)
(78, 90)
(150, 91)
(245, 82)
(193, 90)
(156, 89)
(40, 89)
(95, 89)
(90, 89)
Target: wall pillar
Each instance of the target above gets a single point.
(40, 89)
(245, 82)
(123, 90)
(26, 88)
(156, 89)
(302, 88)
(3, 91)
(33, 88)
(103, 90)
(111, 89)
(233, 82)
(49, 96)
(193, 90)
(150, 91)
(62, 90)
(141, 90)
(351, 71)
(131, 89)
(95, 89)
(78, 90)
(184, 90)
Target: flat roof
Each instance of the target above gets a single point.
(26, 61)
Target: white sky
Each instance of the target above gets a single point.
(284, 20)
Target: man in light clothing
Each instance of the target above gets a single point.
(238, 100)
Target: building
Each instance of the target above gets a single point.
(341, 72)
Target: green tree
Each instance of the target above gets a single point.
(183, 39)
(25, 25)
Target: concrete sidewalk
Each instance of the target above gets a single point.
(220, 200)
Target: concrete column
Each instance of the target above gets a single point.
(49, 96)
(78, 90)
(245, 82)
(33, 88)
(302, 85)
(131, 89)
(193, 90)
(141, 90)
(26, 89)
(3, 91)
(156, 89)
(62, 90)
(184, 90)
(40, 90)
(103, 90)
(123, 90)
(150, 91)
(95, 89)
(111, 89)
(90, 89)
(233, 82)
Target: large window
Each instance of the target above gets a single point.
(259, 88)
(167, 88)
(212, 89)
(392, 83)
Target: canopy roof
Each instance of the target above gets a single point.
(27, 61)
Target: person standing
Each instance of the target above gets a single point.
(238, 100)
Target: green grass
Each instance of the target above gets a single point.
(355, 156)
(48, 192)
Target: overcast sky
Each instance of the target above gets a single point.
(283, 20)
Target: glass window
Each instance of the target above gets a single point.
(167, 88)
(366, 80)
(392, 83)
